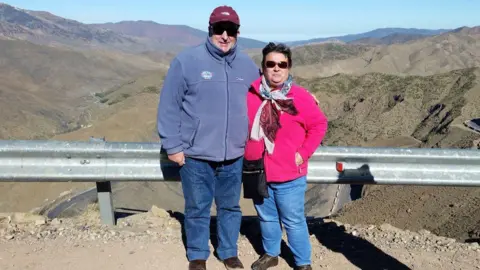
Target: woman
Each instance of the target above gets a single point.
(286, 127)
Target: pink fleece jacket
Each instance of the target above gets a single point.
(302, 133)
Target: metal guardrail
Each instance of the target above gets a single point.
(102, 162)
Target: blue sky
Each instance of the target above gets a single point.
(275, 20)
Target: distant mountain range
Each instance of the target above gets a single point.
(374, 34)
(456, 49)
(44, 28)
(173, 35)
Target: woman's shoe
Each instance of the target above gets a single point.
(265, 262)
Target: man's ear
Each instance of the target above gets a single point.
(210, 30)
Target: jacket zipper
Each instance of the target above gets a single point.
(227, 107)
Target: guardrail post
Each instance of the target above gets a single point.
(104, 193)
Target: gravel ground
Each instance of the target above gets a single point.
(153, 240)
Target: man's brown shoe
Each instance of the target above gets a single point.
(197, 265)
(233, 263)
(303, 267)
(265, 262)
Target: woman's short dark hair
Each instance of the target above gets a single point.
(279, 48)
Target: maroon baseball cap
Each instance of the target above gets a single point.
(224, 14)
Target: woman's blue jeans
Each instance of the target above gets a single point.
(285, 206)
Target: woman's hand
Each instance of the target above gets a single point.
(298, 159)
(315, 98)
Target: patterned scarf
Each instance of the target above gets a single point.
(267, 118)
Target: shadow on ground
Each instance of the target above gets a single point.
(358, 251)
(126, 212)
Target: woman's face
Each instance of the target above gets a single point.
(276, 69)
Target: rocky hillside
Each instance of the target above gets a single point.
(45, 88)
(394, 111)
(364, 108)
(126, 112)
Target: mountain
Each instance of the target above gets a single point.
(170, 36)
(377, 34)
(44, 28)
(452, 50)
(396, 38)
(380, 110)
(365, 108)
(318, 53)
(47, 29)
(45, 88)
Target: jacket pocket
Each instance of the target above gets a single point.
(287, 160)
(189, 129)
(194, 132)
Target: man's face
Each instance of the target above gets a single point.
(224, 35)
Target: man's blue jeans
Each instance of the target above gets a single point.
(203, 181)
(285, 204)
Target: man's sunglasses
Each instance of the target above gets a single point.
(231, 29)
(272, 64)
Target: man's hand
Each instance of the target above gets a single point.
(298, 159)
(178, 158)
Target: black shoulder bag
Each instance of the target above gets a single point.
(254, 179)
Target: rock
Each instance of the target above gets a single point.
(65, 193)
(158, 212)
(4, 218)
(40, 222)
(389, 228)
(424, 232)
(22, 218)
(9, 237)
(55, 221)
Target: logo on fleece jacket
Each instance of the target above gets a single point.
(207, 75)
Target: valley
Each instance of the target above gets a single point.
(64, 80)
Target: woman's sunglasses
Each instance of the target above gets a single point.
(272, 64)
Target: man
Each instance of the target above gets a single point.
(203, 126)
